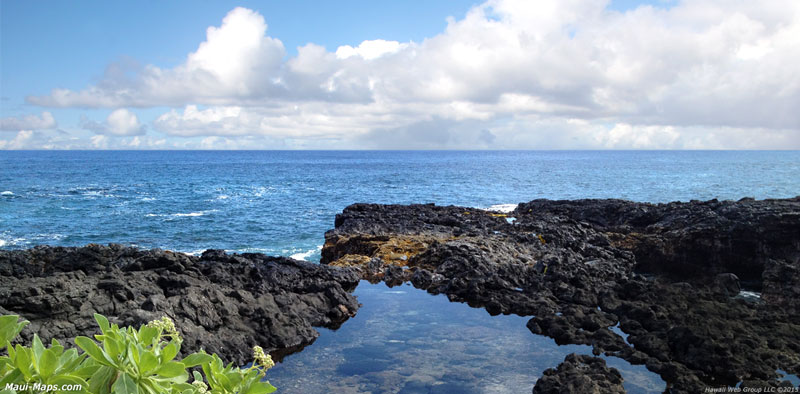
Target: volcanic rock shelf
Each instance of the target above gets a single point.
(222, 303)
(668, 275)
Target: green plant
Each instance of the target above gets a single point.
(122, 360)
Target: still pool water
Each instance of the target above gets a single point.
(404, 340)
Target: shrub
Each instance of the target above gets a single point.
(122, 360)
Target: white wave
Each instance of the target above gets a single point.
(98, 193)
(197, 252)
(505, 208)
(305, 255)
(53, 236)
(223, 197)
(267, 251)
(7, 193)
(148, 199)
(189, 214)
(11, 242)
(261, 191)
(181, 215)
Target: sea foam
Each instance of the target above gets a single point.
(305, 255)
(505, 208)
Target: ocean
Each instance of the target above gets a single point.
(282, 202)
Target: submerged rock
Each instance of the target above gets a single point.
(221, 303)
(580, 374)
(666, 274)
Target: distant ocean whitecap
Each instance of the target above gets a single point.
(7, 193)
(189, 214)
(180, 215)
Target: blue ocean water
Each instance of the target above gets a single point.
(282, 202)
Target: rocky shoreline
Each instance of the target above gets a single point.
(667, 275)
(654, 284)
(222, 303)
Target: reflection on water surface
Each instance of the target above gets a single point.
(404, 340)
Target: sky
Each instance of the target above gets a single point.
(446, 74)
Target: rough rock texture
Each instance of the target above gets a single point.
(580, 374)
(223, 303)
(665, 274)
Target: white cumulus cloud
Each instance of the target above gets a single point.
(370, 49)
(120, 122)
(124, 122)
(22, 140)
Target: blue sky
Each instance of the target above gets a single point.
(415, 74)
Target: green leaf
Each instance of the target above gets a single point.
(196, 359)
(9, 328)
(112, 348)
(147, 335)
(70, 360)
(87, 371)
(171, 369)
(125, 384)
(100, 382)
(93, 350)
(148, 362)
(207, 370)
(102, 322)
(224, 382)
(149, 386)
(38, 349)
(169, 352)
(260, 388)
(23, 361)
(235, 379)
(14, 376)
(133, 352)
(48, 363)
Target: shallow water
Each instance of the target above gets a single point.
(404, 340)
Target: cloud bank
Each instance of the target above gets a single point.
(45, 121)
(509, 74)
